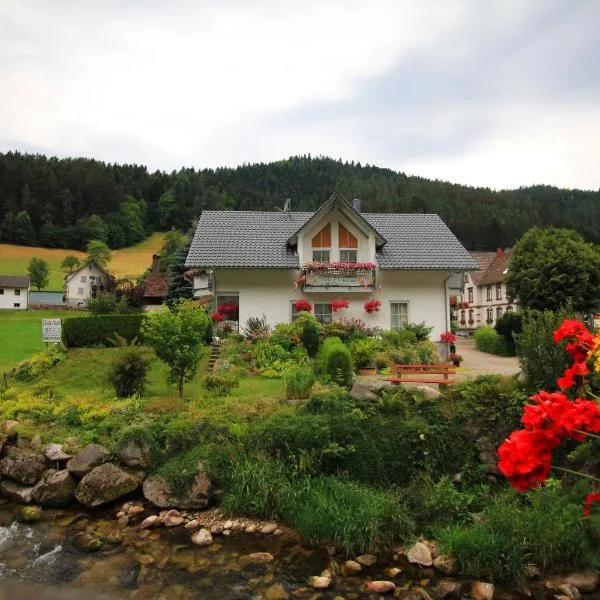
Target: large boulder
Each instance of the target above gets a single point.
(135, 453)
(420, 554)
(55, 453)
(23, 466)
(104, 484)
(15, 492)
(360, 391)
(429, 392)
(377, 386)
(93, 455)
(160, 492)
(55, 488)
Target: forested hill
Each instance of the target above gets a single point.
(66, 202)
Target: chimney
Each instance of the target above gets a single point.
(155, 264)
(356, 204)
(499, 253)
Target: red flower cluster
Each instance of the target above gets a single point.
(216, 316)
(580, 342)
(303, 305)
(339, 304)
(227, 307)
(372, 305)
(589, 500)
(448, 337)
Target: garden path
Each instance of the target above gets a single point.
(481, 363)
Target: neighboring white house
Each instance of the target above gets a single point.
(264, 262)
(485, 298)
(82, 284)
(14, 292)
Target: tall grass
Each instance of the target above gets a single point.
(298, 383)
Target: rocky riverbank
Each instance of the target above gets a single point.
(104, 517)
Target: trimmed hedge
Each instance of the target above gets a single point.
(487, 339)
(100, 330)
(337, 361)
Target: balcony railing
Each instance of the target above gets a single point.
(336, 276)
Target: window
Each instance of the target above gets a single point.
(499, 312)
(17, 305)
(231, 303)
(17, 292)
(489, 292)
(1, 291)
(498, 291)
(348, 245)
(462, 316)
(349, 256)
(83, 278)
(80, 291)
(321, 245)
(323, 313)
(470, 292)
(321, 255)
(471, 320)
(490, 315)
(399, 313)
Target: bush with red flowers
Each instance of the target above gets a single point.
(339, 305)
(448, 337)
(303, 305)
(372, 306)
(216, 316)
(526, 456)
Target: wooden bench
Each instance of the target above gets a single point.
(401, 372)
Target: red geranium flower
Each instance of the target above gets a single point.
(339, 305)
(303, 305)
(579, 369)
(372, 305)
(448, 337)
(589, 500)
(216, 316)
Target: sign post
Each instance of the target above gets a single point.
(52, 331)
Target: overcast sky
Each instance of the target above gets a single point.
(483, 92)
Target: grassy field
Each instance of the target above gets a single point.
(21, 333)
(127, 262)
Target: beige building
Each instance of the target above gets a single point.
(264, 262)
(485, 298)
(82, 284)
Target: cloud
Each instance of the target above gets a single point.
(498, 93)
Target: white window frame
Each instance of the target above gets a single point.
(83, 279)
(17, 292)
(488, 291)
(392, 314)
(80, 291)
(226, 297)
(323, 317)
(470, 294)
(328, 250)
(1, 291)
(490, 315)
(498, 291)
(355, 250)
(499, 312)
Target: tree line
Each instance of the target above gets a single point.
(65, 203)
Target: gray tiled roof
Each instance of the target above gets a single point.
(255, 239)
(14, 281)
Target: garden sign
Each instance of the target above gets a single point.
(51, 331)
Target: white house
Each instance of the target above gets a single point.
(485, 297)
(14, 292)
(264, 262)
(82, 284)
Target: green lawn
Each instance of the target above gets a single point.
(21, 333)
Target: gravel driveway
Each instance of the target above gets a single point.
(481, 363)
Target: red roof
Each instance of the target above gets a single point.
(156, 285)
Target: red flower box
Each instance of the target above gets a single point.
(339, 305)
(372, 306)
(303, 305)
(448, 337)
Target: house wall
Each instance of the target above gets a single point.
(12, 296)
(366, 243)
(271, 292)
(76, 290)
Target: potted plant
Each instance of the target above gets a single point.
(303, 306)
(372, 306)
(363, 354)
(455, 359)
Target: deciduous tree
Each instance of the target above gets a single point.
(98, 252)
(39, 272)
(70, 263)
(178, 337)
(550, 268)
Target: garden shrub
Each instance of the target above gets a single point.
(32, 368)
(421, 330)
(541, 360)
(310, 338)
(487, 339)
(348, 329)
(329, 399)
(266, 353)
(128, 372)
(256, 328)
(509, 324)
(106, 303)
(98, 330)
(399, 338)
(382, 360)
(220, 383)
(284, 335)
(298, 382)
(427, 353)
(336, 362)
